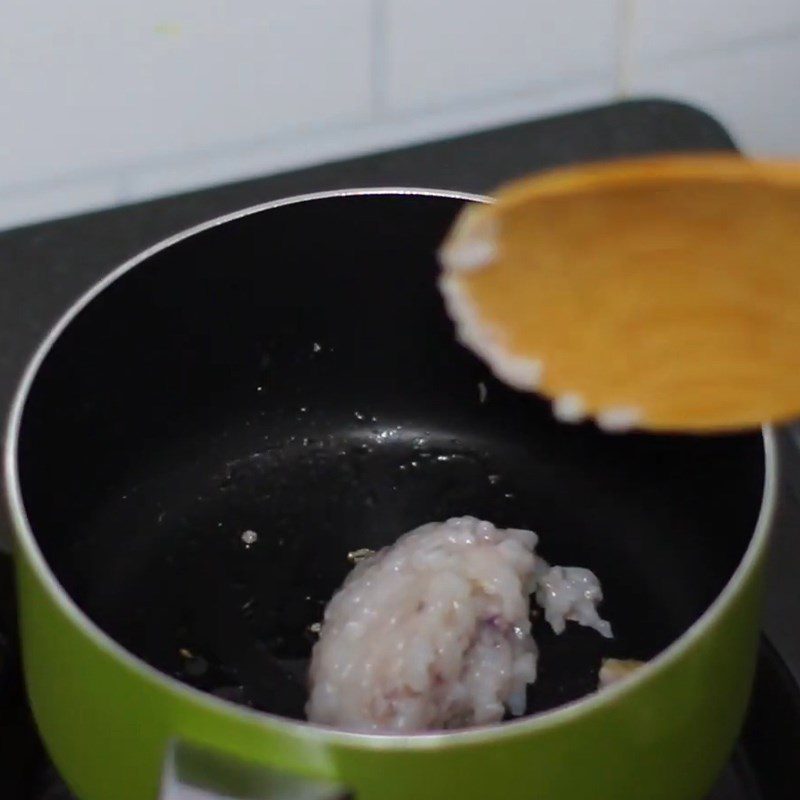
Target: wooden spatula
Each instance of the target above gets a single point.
(660, 293)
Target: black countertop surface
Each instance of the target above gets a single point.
(44, 267)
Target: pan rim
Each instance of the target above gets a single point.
(25, 542)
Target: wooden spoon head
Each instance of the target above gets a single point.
(659, 293)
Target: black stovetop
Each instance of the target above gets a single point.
(46, 266)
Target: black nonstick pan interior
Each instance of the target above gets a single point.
(293, 373)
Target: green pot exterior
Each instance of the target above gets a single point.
(107, 720)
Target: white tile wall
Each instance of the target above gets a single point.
(442, 51)
(753, 90)
(104, 102)
(94, 85)
(669, 28)
(384, 132)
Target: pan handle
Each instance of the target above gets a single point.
(193, 772)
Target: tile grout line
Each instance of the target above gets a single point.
(436, 127)
(731, 47)
(623, 66)
(483, 102)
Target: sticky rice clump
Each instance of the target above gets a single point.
(434, 632)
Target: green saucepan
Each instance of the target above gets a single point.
(290, 370)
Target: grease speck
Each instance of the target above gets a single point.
(249, 538)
